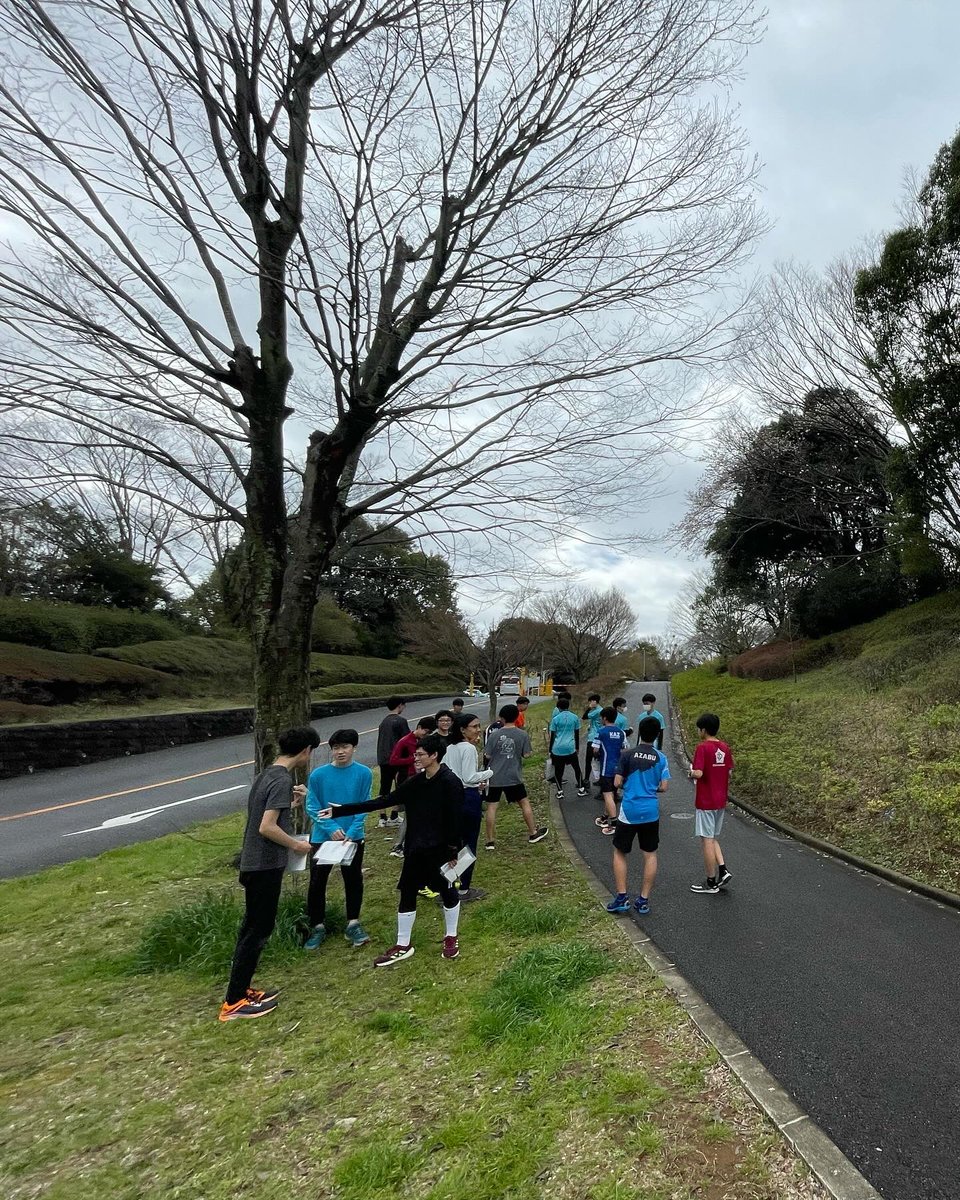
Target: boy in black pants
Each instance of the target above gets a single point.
(433, 802)
(266, 840)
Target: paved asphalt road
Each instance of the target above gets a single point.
(844, 986)
(75, 812)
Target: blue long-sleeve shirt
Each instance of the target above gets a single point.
(338, 785)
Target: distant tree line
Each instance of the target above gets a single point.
(845, 502)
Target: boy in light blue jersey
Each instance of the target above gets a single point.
(649, 701)
(591, 714)
(341, 781)
(565, 745)
(608, 746)
(623, 721)
(643, 774)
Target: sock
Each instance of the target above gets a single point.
(353, 922)
(721, 867)
(405, 927)
(451, 917)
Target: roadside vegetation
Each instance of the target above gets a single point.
(863, 748)
(545, 1062)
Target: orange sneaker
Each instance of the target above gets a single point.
(259, 995)
(245, 1009)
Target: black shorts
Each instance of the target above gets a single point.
(606, 783)
(647, 835)
(514, 793)
(421, 868)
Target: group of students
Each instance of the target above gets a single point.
(639, 776)
(434, 773)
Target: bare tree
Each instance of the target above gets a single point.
(425, 243)
(587, 627)
(706, 621)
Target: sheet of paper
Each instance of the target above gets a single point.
(335, 854)
(464, 859)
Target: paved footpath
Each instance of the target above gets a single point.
(845, 987)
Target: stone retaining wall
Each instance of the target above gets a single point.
(28, 748)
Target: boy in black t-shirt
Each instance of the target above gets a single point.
(267, 839)
(392, 728)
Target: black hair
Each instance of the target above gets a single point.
(428, 723)
(457, 700)
(609, 714)
(563, 703)
(434, 743)
(509, 713)
(295, 741)
(344, 737)
(444, 712)
(618, 700)
(594, 696)
(460, 723)
(648, 730)
(649, 698)
(396, 701)
(709, 723)
(523, 700)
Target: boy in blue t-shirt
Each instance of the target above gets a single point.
(649, 700)
(565, 745)
(608, 746)
(341, 781)
(623, 721)
(591, 714)
(644, 774)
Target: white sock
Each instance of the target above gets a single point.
(451, 917)
(405, 927)
(353, 922)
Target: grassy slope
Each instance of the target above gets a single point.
(864, 752)
(431, 1081)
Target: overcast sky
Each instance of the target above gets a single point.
(839, 100)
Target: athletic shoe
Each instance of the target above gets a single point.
(641, 905)
(490, 846)
(619, 904)
(245, 1008)
(382, 823)
(393, 819)
(394, 955)
(559, 793)
(428, 893)
(538, 835)
(451, 947)
(708, 886)
(468, 895)
(581, 791)
(724, 877)
(601, 821)
(318, 935)
(262, 995)
(356, 935)
(396, 852)
(609, 828)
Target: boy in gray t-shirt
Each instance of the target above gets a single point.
(505, 750)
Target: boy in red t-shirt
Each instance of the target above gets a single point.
(711, 767)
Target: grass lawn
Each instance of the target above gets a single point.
(545, 1062)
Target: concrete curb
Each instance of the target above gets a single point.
(826, 1161)
(907, 882)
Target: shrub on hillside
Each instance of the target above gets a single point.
(358, 668)
(30, 675)
(75, 628)
(189, 656)
(357, 691)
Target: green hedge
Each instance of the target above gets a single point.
(32, 675)
(356, 691)
(77, 629)
(359, 668)
(207, 657)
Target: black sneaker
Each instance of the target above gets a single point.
(468, 895)
(538, 835)
(724, 877)
(559, 793)
(245, 1009)
(581, 791)
(708, 886)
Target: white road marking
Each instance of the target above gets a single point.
(145, 813)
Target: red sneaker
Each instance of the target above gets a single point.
(394, 955)
(451, 947)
